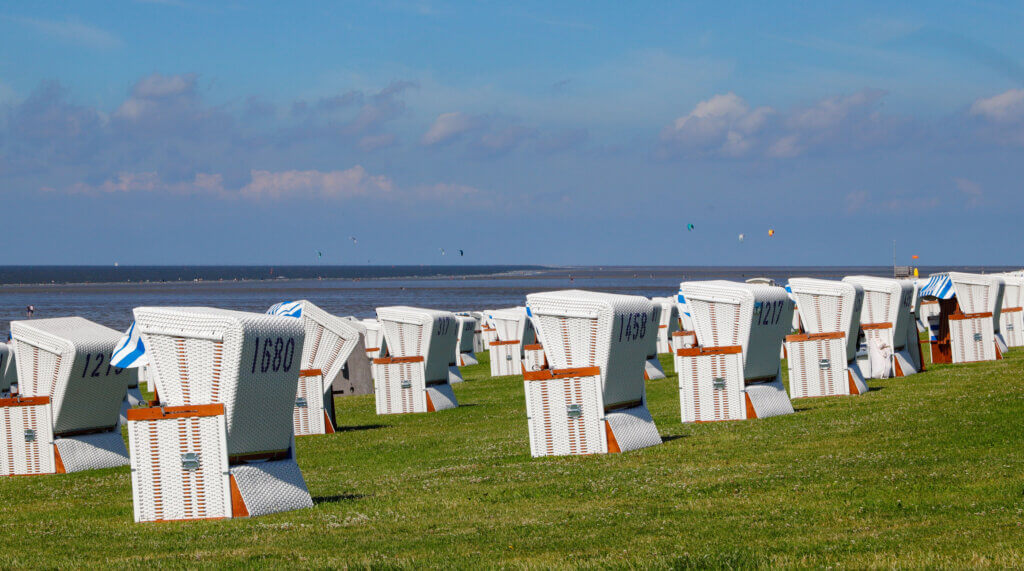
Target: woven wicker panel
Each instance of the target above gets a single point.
(828, 306)
(668, 322)
(68, 360)
(533, 359)
(711, 387)
(391, 396)
(330, 341)
(818, 368)
(442, 396)
(565, 416)
(653, 370)
(247, 361)
(467, 327)
(972, 340)
(26, 440)
(308, 416)
(1012, 326)
(92, 451)
(164, 487)
(271, 487)
(506, 360)
(887, 300)
(633, 428)
(587, 329)
(769, 399)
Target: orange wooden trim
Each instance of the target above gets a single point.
(613, 445)
(815, 336)
(328, 425)
(929, 302)
(548, 374)
(751, 413)
(397, 360)
(310, 373)
(647, 377)
(869, 326)
(663, 327)
(534, 347)
(24, 401)
(999, 354)
(430, 403)
(962, 316)
(369, 349)
(161, 412)
(701, 351)
(853, 386)
(1012, 309)
(898, 370)
(58, 462)
(238, 508)
(683, 333)
(495, 343)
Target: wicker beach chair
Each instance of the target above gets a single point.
(890, 343)
(822, 361)
(514, 331)
(465, 354)
(479, 345)
(65, 416)
(417, 375)
(222, 443)
(970, 306)
(330, 341)
(668, 322)
(376, 345)
(734, 371)
(1011, 318)
(652, 366)
(592, 400)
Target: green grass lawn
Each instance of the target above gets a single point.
(922, 471)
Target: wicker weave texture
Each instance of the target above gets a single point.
(26, 438)
(818, 368)
(506, 360)
(668, 322)
(467, 327)
(330, 341)
(653, 370)
(533, 359)
(711, 387)
(830, 306)
(165, 485)
(565, 416)
(309, 416)
(754, 316)
(249, 362)
(417, 332)
(399, 388)
(633, 428)
(374, 339)
(887, 300)
(442, 397)
(769, 399)
(92, 451)
(590, 329)
(980, 293)
(271, 487)
(972, 339)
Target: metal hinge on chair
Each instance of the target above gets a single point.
(718, 383)
(573, 411)
(406, 384)
(190, 461)
(977, 336)
(824, 364)
(508, 357)
(300, 402)
(30, 435)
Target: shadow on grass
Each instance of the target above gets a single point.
(360, 427)
(671, 437)
(317, 500)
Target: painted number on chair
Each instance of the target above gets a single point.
(771, 312)
(632, 326)
(444, 325)
(273, 354)
(96, 362)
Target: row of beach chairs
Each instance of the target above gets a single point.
(232, 389)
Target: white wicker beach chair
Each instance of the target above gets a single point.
(65, 417)
(221, 444)
(592, 400)
(823, 360)
(1011, 318)
(417, 376)
(488, 333)
(734, 372)
(479, 346)
(514, 330)
(376, 345)
(652, 366)
(357, 376)
(330, 341)
(465, 351)
(668, 322)
(890, 344)
(970, 305)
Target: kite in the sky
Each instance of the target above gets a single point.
(771, 232)
(742, 237)
(461, 253)
(354, 241)
(442, 251)
(689, 227)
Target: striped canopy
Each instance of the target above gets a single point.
(287, 308)
(939, 286)
(130, 352)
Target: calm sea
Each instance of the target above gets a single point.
(107, 294)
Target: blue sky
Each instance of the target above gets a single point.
(176, 132)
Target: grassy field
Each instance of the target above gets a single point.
(926, 471)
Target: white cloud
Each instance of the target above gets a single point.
(348, 183)
(447, 126)
(1006, 107)
(832, 111)
(971, 190)
(723, 124)
(73, 32)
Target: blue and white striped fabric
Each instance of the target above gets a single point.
(287, 308)
(130, 352)
(684, 309)
(939, 286)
